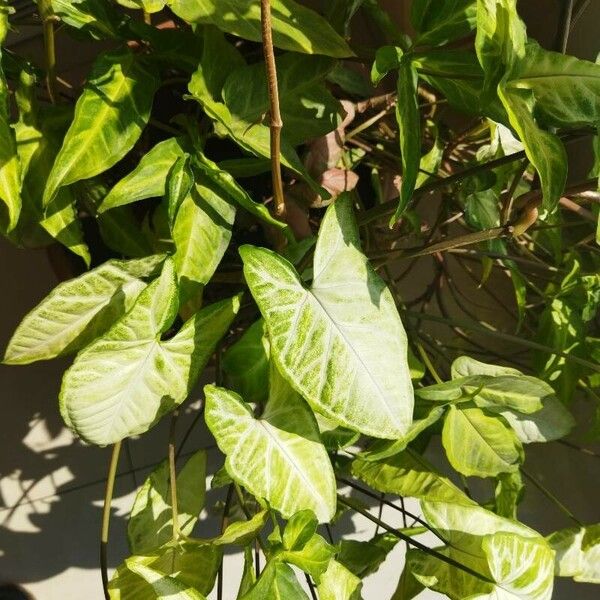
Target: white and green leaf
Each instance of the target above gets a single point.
(328, 340)
(126, 380)
(279, 457)
(79, 310)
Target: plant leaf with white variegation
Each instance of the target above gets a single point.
(278, 457)
(328, 340)
(79, 310)
(577, 553)
(122, 383)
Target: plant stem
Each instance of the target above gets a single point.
(355, 506)
(428, 363)
(110, 486)
(565, 25)
(45, 8)
(224, 522)
(173, 475)
(276, 122)
(551, 497)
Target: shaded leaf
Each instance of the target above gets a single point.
(151, 521)
(276, 581)
(577, 553)
(439, 22)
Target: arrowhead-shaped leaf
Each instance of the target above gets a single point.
(110, 116)
(79, 310)
(123, 382)
(277, 581)
(151, 521)
(341, 343)
(278, 457)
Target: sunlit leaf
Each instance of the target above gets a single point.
(79, 310)
(278, 457)
(122, 383)
(327, 340)
(577, 553)
(295, 27)
(276, 581)
(478, 444)
(338, 583)
(110, 116)
(148, 179)
(408, 474)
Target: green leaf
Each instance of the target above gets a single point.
(164, 585)
(99, 19)
(109, 118)
(178, 185)
(249, 573)
(409, 122)
(363, 558)
(10, 166)
(246, 364)
(319, 339)
(465, 366)
(508, 494)
(381, 449)
(480, 445)
(333, 436)
(127, 379)
(408, 474)
(500, 41)
(550, 422)
(338, 583)
(313, 558)
(545, 151)
(194, 565)
(439, 22)
(299, 529)
(295, 27)
(577, 553)
(148, 179)
(79, 310)
(230, 188)
(566, 89)
(387, 58)
(201, 232)
(308, 109)
(459, 77)
(151, 521)
(241, 533)
(278, 457)
(277, 581)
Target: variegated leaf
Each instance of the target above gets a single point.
(79, 310)
(278, 457)
(577, 553)
(341, 343)
(122, 383)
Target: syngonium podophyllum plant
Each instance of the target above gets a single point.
(443, 146)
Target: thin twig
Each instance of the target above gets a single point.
(565, 25)
(551, 497)
(224, 522)
(110, 486)
(276, 122)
